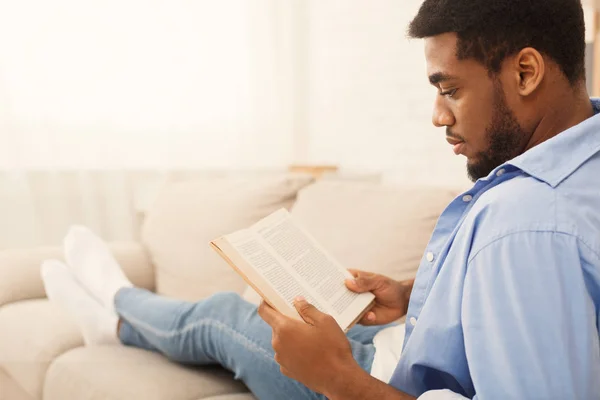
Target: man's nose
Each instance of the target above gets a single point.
(442, 116)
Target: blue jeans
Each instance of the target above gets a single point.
(223, 329)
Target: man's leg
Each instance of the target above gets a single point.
(223, 329)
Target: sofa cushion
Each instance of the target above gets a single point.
(186, 216)
(10, 390)
(119, 372)
(20, 273)
(33, 334)
(378, 228)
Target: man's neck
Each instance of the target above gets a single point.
(563, 113)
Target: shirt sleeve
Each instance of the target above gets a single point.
(529, 321)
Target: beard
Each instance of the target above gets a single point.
(506, 138)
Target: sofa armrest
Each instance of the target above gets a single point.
(20, 270)
(20, 273)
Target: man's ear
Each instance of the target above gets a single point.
(530, 68)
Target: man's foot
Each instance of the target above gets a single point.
(98, 325)
(94, 266)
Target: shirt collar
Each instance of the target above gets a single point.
(557, 158)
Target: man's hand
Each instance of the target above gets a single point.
(316, 353)
(391, 297)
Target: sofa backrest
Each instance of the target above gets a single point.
(372, 227)
(186, 216)
(367, 226)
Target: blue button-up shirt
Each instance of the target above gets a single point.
(507, 296)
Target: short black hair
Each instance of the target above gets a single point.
(491, 30)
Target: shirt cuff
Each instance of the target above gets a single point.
(441, 395)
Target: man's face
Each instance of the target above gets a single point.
(472, 106)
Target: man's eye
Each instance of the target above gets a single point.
(449, 93)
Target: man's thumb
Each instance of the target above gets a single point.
(307, 311)
(362, 284)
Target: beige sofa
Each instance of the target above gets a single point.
(364, 225)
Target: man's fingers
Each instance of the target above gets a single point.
(364, 282)
(307, 311)
(352, 284)
(354, 272)
(369, 319)
(269, 314)
(285, 371)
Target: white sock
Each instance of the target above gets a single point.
(97, 324)
(94, 266)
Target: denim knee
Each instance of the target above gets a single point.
(225, 298)
(227, 301)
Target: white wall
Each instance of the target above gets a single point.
(368, 99)
(143, 84)
(589, 22)
(218, 84)
(227, 84)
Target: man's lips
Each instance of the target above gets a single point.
(458, 145)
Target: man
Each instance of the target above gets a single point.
(505, 303)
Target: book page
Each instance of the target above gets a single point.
(317, 276)
(254, 251)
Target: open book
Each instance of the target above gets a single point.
(281, 261)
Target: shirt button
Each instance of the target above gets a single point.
(500, 172)
(413, 321)
(430, 256)
(467, 198)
